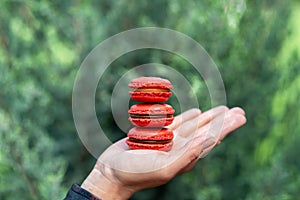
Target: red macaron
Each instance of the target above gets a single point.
(150, 139)
(150, 89)
(151, 115)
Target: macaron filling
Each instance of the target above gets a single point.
(151, 90)
(151, 116)
(150, 141)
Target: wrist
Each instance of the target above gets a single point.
(102, 187)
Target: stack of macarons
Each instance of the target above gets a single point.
(151, 116)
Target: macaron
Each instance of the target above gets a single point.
(151, 115)
(150, 89)
(150, 139)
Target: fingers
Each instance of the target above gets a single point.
(234, 121)
(222, 125)
(190, 126)
(196, 153)
(208, 136)
(238, 110)
(215, 131)
(183, 117)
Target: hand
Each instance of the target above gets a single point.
(120, 172)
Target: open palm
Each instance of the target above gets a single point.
(195, 135)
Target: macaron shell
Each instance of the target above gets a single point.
(150, 96)
(151, 109)
(150, 82)
(156, 134)
(160, 147)
(148, 122)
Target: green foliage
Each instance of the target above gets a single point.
(28, 163)
(254, 43)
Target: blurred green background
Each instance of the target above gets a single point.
(255, 44)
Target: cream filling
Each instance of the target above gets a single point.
(150, 141)
(151, 90)
(151, 116)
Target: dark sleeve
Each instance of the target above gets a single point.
(78, 193)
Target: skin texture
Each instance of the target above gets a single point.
(120, 172)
